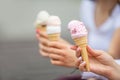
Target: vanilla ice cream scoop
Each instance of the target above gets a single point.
(77, 29)
(54, 21)
(54, 28)
(42, 18)
(53, 25)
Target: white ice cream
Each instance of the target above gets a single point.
(53, 29)
(42, 18)
(53, 25)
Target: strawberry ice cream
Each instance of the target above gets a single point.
(77, 29)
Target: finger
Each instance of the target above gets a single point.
(78, 54)
(37, 36)
(74, 47)
(93, 52)
(78, 62)
(57, 51)
(64, 41)
(58, 63)
(58, 45)
(82, 66)
(56, 57)
(43, 53)
(37, 31)
(44, 48)
(44, 41)
(43, 34)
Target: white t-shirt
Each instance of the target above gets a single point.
(99, 38)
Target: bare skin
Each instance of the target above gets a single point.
(114, 49)
(59, 52)
(100, 63)
(103, 11)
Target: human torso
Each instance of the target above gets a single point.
(99, 37)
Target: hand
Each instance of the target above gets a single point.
(43, 43)
(100, 63)
(61, 54)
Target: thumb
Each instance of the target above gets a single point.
(73, 47)
(93, 52)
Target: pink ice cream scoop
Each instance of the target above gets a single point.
(77, 29)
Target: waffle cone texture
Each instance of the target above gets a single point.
(82, 43)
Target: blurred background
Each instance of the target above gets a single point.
(19, 55)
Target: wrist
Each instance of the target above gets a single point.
(115, 72)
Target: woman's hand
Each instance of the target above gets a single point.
(62, 54)
(100, 63)
(59, 52)
(43, 43)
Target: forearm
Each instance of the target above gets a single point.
(115, 72)
(115, 43)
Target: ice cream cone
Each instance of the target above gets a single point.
(54, 37)
(41, 27)
(41, 21)
(79, 35)
(54, 28)
(82, 43)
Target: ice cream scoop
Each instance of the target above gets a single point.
(77, 29)
(42, 17)
(41, 20)
(54, 28)
(54, 21)
(79, 35)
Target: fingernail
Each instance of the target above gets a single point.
(80, 58)
(78, 49)
(37, 31)
(84, 62)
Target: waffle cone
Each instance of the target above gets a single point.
(82, 43)
(41, 27)
(54, 37)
